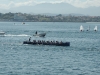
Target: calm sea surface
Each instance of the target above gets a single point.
(82, 57)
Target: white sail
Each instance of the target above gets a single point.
(88, 28)
(81, 28)
(95, 29)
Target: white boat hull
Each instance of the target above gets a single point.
(2, 33)
(40, 35)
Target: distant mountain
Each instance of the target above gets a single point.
(58, 8)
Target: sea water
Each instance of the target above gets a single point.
(82, 57)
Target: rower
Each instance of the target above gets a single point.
(36, 32)
(29, 38)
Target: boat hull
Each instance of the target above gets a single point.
(47, 43)
(40, 35)
(2, 33)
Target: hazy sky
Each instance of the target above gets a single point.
(6, 4)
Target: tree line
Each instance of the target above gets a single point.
(18, 17)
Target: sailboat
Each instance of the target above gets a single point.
(81, 28)
(88, 28)
(95, 28)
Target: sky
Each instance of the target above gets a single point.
(6, 4)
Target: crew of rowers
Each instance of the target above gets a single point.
(45, 42)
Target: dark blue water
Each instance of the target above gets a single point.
(82, 57)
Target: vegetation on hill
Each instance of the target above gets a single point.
(18, 17)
